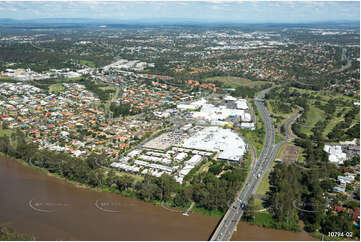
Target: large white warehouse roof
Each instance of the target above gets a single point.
(216, 139)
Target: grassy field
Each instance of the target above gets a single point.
(300, 157)
(4, 132)
(87, 63)
(264, 185)
(213, 213)
(315, 114)
(335, 120)
(325, 95)
(259, 119)
(258, 203)
(332, 124)
(253, 138)
(113, 89)
(46, 84)
(58, 87)
(236, 81)
(312, 117)
(278, 138)
(280, 151)
(263, 219)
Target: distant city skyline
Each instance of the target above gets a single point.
(213, 11)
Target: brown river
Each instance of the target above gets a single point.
(53, 209)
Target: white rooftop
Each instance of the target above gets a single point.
(216, 139)
(242, 104)
(336, 154)
(230, 98)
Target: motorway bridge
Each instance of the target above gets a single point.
(230, 220)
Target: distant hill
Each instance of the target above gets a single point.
(52, 20)
(158, 21)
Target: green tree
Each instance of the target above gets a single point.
(9, 234)
(124, 182)
(168, 185)
(250, 209)
(111, 178)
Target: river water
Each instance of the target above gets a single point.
(54, 209)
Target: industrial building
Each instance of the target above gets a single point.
(230, 146)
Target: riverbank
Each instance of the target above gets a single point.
(74, 214)
(48, 173)
(81, 220)
(131, 194)
(108, 189)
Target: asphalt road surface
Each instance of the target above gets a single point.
(230, 220)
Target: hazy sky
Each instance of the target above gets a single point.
(236, 11)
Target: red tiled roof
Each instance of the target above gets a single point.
(338, 209)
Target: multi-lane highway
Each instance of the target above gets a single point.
(230, 220)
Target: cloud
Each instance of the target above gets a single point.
(208, 10)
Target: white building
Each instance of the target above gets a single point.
(246, 117)
(212, 113)
(180, 156)
(230, 98)
(345, 179)
(185, 170)
(247, 126)
(162, 114)
(242, 104)
(125, 167)
(335, 154)
(134, 153)
(192, 106)
(229, 145)
(194, 160)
